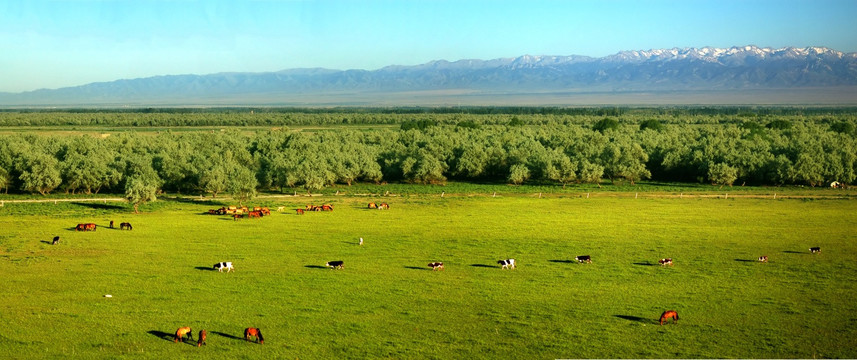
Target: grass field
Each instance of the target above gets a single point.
(386, 303)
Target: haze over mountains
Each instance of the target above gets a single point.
(737, 75)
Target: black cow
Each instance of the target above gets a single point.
(338, 264)
(583, 259)
(815, 250)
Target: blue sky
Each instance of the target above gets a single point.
(59, 43)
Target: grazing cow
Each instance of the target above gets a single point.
(815, 250)
(583, 259)
(338, 264)
(763, 258)
(224, 265)
(125, 226)
(508, 263)
(436, 265)
(669, 314)
(56, 240)
(254, 332)
(111, 224)
(201, 338)
(665, 262)
(300, 211)
(384, 206)
(373, 205)
(181, 332)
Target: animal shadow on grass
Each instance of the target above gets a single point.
(794, 252)
(47, 242)
(563, 261)
(637, 319)
(417, 268)
(315, 266)
(163, 335)
(98, 206)
(647, 263)
(204, 268)
(228, 336)
(746, 260)
(485, 266)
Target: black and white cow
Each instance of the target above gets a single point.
(56, 240)
(224, 265)
(814, 250)
(436, 265)
(665, 262)
(763, 258)
(583, 259)
(338, 264)
(508, 263)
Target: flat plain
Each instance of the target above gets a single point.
(386, 303)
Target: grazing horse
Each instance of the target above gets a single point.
(665, 262)
(85, 227)
(508, 263)
(338, 264)
(669, 314)
(224, 265)
(254, 332)
(256, 214)
(300, 211)
(815, 250)
(583, 259)
(327, 207)
(56, 240)
(763, 258)
(436, 265)
(384, 206)
(125, 226)
(373, 206)
(181, 332)
(237, 216)
(201, 338)
(111, 224)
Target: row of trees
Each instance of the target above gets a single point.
(241, 163)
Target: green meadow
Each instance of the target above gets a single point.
(386, 303)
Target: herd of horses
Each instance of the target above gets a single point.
(92, 226)
(203, 335)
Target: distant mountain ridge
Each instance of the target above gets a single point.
(661, 70)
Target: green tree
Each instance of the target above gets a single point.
(39, 173)
(139, 190)
(722, 174)
(518, 173)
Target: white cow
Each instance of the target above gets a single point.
(508, 263)
(224, 265)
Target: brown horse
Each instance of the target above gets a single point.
(669, 314)
(124, 226)
(85, 227)
(373, 206)
(300, 211)
(384, 206)
(327, 207)
(256, 214)
(201, 339)
(182, 331)
(254, 332)
(237, 216)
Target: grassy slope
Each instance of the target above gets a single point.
(386, 303)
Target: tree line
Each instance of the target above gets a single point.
(241, 163)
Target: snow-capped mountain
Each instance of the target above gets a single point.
(659, 70)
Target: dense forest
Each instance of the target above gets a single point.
(514, 145)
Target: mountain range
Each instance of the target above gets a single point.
(813, 75)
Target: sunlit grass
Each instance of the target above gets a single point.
(387, 303)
